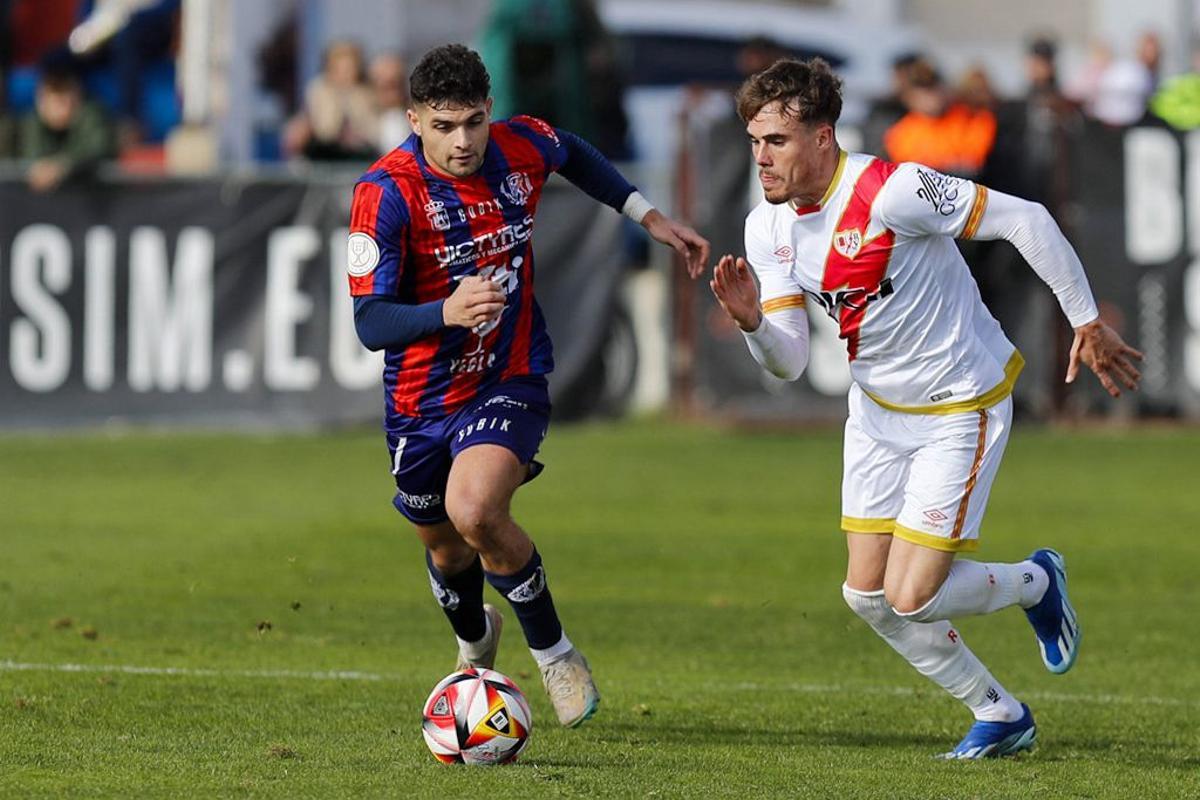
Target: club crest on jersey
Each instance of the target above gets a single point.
(848, 242)
(362, 254)
(439, 217)
(517, 188)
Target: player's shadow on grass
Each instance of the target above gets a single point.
(789, 737)
(1132, 752)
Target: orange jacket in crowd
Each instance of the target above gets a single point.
(957, 142)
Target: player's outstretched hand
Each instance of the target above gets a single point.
(737, 293)
(691, 246)
(475, 301)
(1107, 355)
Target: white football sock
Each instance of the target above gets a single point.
(937, 651)
(973, 587)
(554, 652)
(473, 651)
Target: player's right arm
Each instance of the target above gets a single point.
(776, 327)
(375, 260)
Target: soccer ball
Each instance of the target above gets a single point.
(476, 716)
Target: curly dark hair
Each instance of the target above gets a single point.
(809, 90)
(450, 76)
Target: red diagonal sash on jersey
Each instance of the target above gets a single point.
(855, 265)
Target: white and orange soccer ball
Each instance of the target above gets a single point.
(476, 716)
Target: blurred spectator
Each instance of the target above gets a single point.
(940, 132)
(975, 89)
(1036, 133)
(31, 29)
(339, 121)
(278, 63)
(1084, 87)
(132, 43)
(757, 55)
(389, 81)
(887, 111)
(1149, 54)
(65, 136)
(538, 54)
(1123, 91)
(1178, 101)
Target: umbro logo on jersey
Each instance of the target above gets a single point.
(784, 254)
(848, 242)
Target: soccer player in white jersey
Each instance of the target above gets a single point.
(872, 244)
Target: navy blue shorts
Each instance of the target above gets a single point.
(514, 414)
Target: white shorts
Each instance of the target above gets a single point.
(924, 478)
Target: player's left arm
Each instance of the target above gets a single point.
(1032, 230)
(588, 169)
(918, 201)
(583, 165)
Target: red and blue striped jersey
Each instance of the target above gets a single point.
(415, 232)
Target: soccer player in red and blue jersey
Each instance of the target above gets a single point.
(441, 269)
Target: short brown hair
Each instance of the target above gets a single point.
(809, 91)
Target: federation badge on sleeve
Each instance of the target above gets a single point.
(362, 254)
(848, 242)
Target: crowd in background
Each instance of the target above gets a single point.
(87, 81)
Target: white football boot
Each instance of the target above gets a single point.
(568, 681)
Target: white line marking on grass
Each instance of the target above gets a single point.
(188, 672)
(907, 691)
(744, 686)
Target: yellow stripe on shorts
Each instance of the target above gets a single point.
(935, 542)
(867, 525)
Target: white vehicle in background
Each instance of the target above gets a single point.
(666, 45)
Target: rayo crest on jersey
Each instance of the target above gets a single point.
(517, 188)
(439, 217)
(848, 242)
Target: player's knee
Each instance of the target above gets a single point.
(870, 606)
(477, 520)
(911, 602)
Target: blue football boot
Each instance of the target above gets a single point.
(995, 739)
(1053, 619)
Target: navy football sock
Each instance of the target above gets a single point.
(461, 597)
(529, 596)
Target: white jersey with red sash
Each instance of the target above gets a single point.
(877, 253)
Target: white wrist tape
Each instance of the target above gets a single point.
(636, 207)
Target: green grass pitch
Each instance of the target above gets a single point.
(284, 615)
